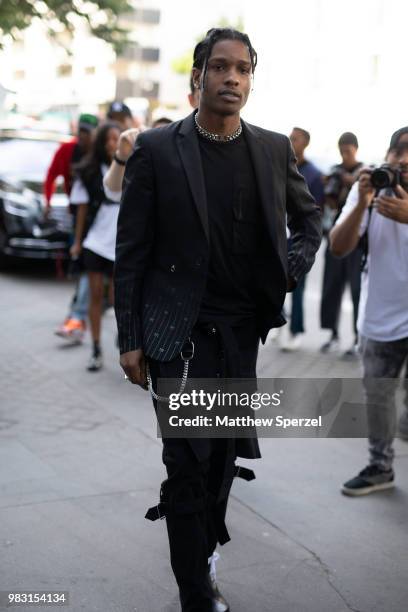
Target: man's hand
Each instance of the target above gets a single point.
(133, 364)
(127, 141)
(290, 284)
(75, 250)
(366, 191)
(394, 208)
(47, 210)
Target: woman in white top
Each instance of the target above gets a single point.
(95, 228)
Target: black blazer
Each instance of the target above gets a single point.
(162, 248)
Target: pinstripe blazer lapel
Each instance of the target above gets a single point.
(187, 143)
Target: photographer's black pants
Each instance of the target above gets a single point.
(194, 497)
(337, 274)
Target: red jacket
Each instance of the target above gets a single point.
(60, 166)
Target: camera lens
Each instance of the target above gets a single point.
(381, 178)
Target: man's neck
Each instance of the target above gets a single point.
(301, 160)
(351, 165)
(218, 124)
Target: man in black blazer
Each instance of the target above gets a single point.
(202, 265)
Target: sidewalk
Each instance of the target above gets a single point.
(80, 463)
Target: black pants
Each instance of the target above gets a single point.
(337, 274)
(296, 316)
(196, 491)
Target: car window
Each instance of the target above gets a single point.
(20, 157)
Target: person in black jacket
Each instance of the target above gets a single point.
(340, 272)
(202, 267)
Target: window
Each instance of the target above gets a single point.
(151, 16)
(150, 54)
(124, 89)
(131, 51)
(150, 90)
(134, 52)
(144, 89)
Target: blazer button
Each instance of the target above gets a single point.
(172, 268)
(199, 261)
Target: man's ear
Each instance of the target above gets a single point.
(196, 74)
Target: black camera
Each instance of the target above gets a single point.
(385, 177)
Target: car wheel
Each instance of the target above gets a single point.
(4, 259)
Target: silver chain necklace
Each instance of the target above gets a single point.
(217, 137)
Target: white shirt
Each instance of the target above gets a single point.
(101, 237)
(383, 309)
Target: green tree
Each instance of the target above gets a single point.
(183, 63)
(101, 15)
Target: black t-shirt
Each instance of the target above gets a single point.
(234, 217)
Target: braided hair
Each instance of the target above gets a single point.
(203, 49)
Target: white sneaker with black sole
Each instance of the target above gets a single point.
(331, 346)
(95, 363)
(292, 343)
(218, 601)
(369, 480)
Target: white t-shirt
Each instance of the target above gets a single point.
(101, 237)
(383, 309)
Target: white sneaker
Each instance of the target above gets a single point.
(292, 343)
(332, 346)
(95, 363)
(274, 335)
(351, 353)
(218, 600)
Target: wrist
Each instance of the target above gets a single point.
(363, 203)
(118, 158)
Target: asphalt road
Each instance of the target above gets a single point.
(80, 463)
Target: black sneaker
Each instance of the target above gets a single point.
(369, 480)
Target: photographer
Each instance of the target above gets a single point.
(338, 273)
(382, 216)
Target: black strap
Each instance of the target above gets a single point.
(222, 532)
(243, 472)
(364, 242)
(156, 512)
(121, 162)
(160, 510)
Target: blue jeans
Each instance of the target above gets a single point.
(80, 305)
(382, 364)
